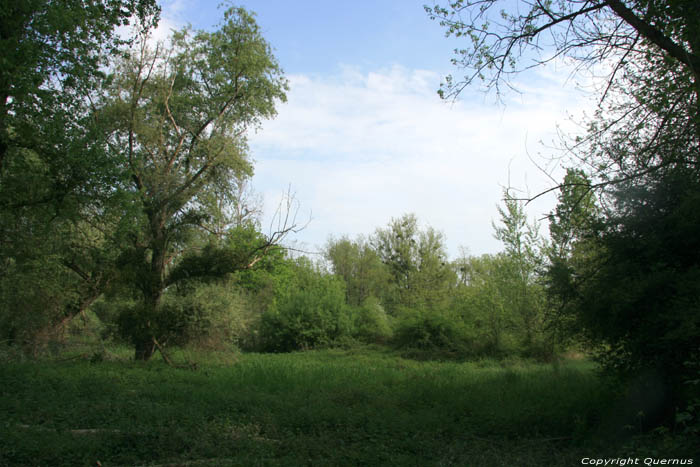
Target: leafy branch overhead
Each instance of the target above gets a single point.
(506, 38)
(647, 119)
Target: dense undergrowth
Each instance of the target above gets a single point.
(360, 406)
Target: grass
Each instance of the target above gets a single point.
(332, 407)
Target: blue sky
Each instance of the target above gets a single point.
(317, 36)
(364, 136)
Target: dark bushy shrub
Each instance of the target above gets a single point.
(431, 331)
(207, 315)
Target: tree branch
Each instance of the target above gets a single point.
(655, 36)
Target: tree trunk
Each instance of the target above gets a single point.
(144, 349)
(144, 340)
(3, 115)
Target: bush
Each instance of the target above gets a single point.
(108, 309)
(219, 316)
(206, 315)
(436, 331)
(371, 323)
(308, 313)
(35, 300)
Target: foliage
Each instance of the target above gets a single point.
(360, 266)
(523, 250)
(371, 324)
(123, 171)
(242, 248)
(203, 315)
(51, 272)
(56, 195)
(490, 303)
(623, 273)
(28, 312)
(309, 311)
(641, 299)
(574, 216)
(573, 227)
(53, 54)
(438, 332)
(481, 304)
(220, 315)
(179, 115)
(417, 262)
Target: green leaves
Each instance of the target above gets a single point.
(180, 114)
(361, 268)
(310, 311)
(417, 262)
(57, 196)
(143, 159)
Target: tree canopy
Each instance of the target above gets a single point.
(117, 154)
(506, 38)
(177, 116)
(615, 267)
(55, 175)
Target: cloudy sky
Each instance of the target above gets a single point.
(364, 136)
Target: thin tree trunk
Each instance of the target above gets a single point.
(144, 349)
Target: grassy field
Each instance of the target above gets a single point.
(333, 407)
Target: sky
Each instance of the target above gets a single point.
(364, 137)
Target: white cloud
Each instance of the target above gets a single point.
(362, 147)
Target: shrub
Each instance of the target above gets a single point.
(207, 315)
(308, 313)
(219, 315)
(35, 301)
(435, 331)
(371, 323)
(108, 309)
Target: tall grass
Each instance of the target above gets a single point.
(315, 408)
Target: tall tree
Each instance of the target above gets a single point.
(573, 227)
(56, 198)
(523, 247)
(360, 266)
(481, 300)
(635, 297)
(574, 215)
(180, 114)
(417, 261)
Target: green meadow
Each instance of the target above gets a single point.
(326, 407)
